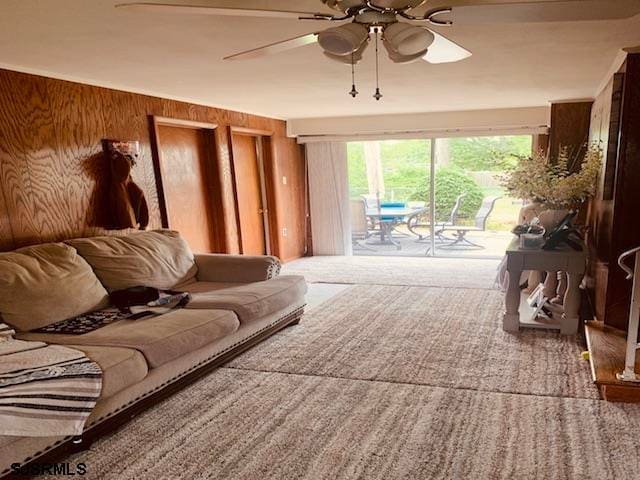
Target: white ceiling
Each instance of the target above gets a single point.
(179, 56)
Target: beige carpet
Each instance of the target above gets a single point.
(429, 336)
(426, 272)
(386, 383)
(243, 425)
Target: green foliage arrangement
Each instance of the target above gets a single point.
(556, 183)
(451, 182)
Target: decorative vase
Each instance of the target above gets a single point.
(529, 212)
(551, 218)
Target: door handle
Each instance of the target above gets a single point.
(263, 210)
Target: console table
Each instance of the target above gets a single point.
(563, 259)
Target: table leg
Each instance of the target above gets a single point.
(511, 318)
(391, 241)
(572, 297)
(394, 242)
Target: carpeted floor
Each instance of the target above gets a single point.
(429, 336)
(386, 382)
(426, 272)
(261, 425)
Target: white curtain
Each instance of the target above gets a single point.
(329, 198)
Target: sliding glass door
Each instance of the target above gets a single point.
(475, 214)
(390, 197)
(440, 197)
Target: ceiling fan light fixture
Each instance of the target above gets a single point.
(407, 40)
(395, 57)
(354, 58)
(343, 40)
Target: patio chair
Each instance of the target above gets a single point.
(359, 225)
(371, 202)
(421, 219)
(460, 239)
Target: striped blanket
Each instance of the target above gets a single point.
(45, 390)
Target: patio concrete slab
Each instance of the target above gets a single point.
(494, 243)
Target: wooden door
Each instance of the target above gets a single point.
(185, 154)
(249, 183)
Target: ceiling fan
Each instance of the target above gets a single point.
(400, 28)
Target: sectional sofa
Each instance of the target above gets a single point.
(236, 302)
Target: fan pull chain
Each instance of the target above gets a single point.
(377, 95)
(353, 91)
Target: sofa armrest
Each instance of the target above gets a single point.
(236, 268)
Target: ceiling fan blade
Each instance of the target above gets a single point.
(535, 12)
(276, 47)
(443, 50)
(228, 12)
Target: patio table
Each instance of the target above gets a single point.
(388, 218)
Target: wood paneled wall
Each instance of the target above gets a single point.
(51, 161)
(600, 214)
(613, 216)
(569, 127)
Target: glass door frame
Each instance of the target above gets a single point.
(432, 197)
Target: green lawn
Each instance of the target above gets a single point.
(505, 214)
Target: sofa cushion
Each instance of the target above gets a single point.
(121, 367)
(160, 259)
(216, 267)
(47, 283)
(160, 339)
(208, 287)
(253, 300)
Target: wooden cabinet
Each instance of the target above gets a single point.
(614, 224)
